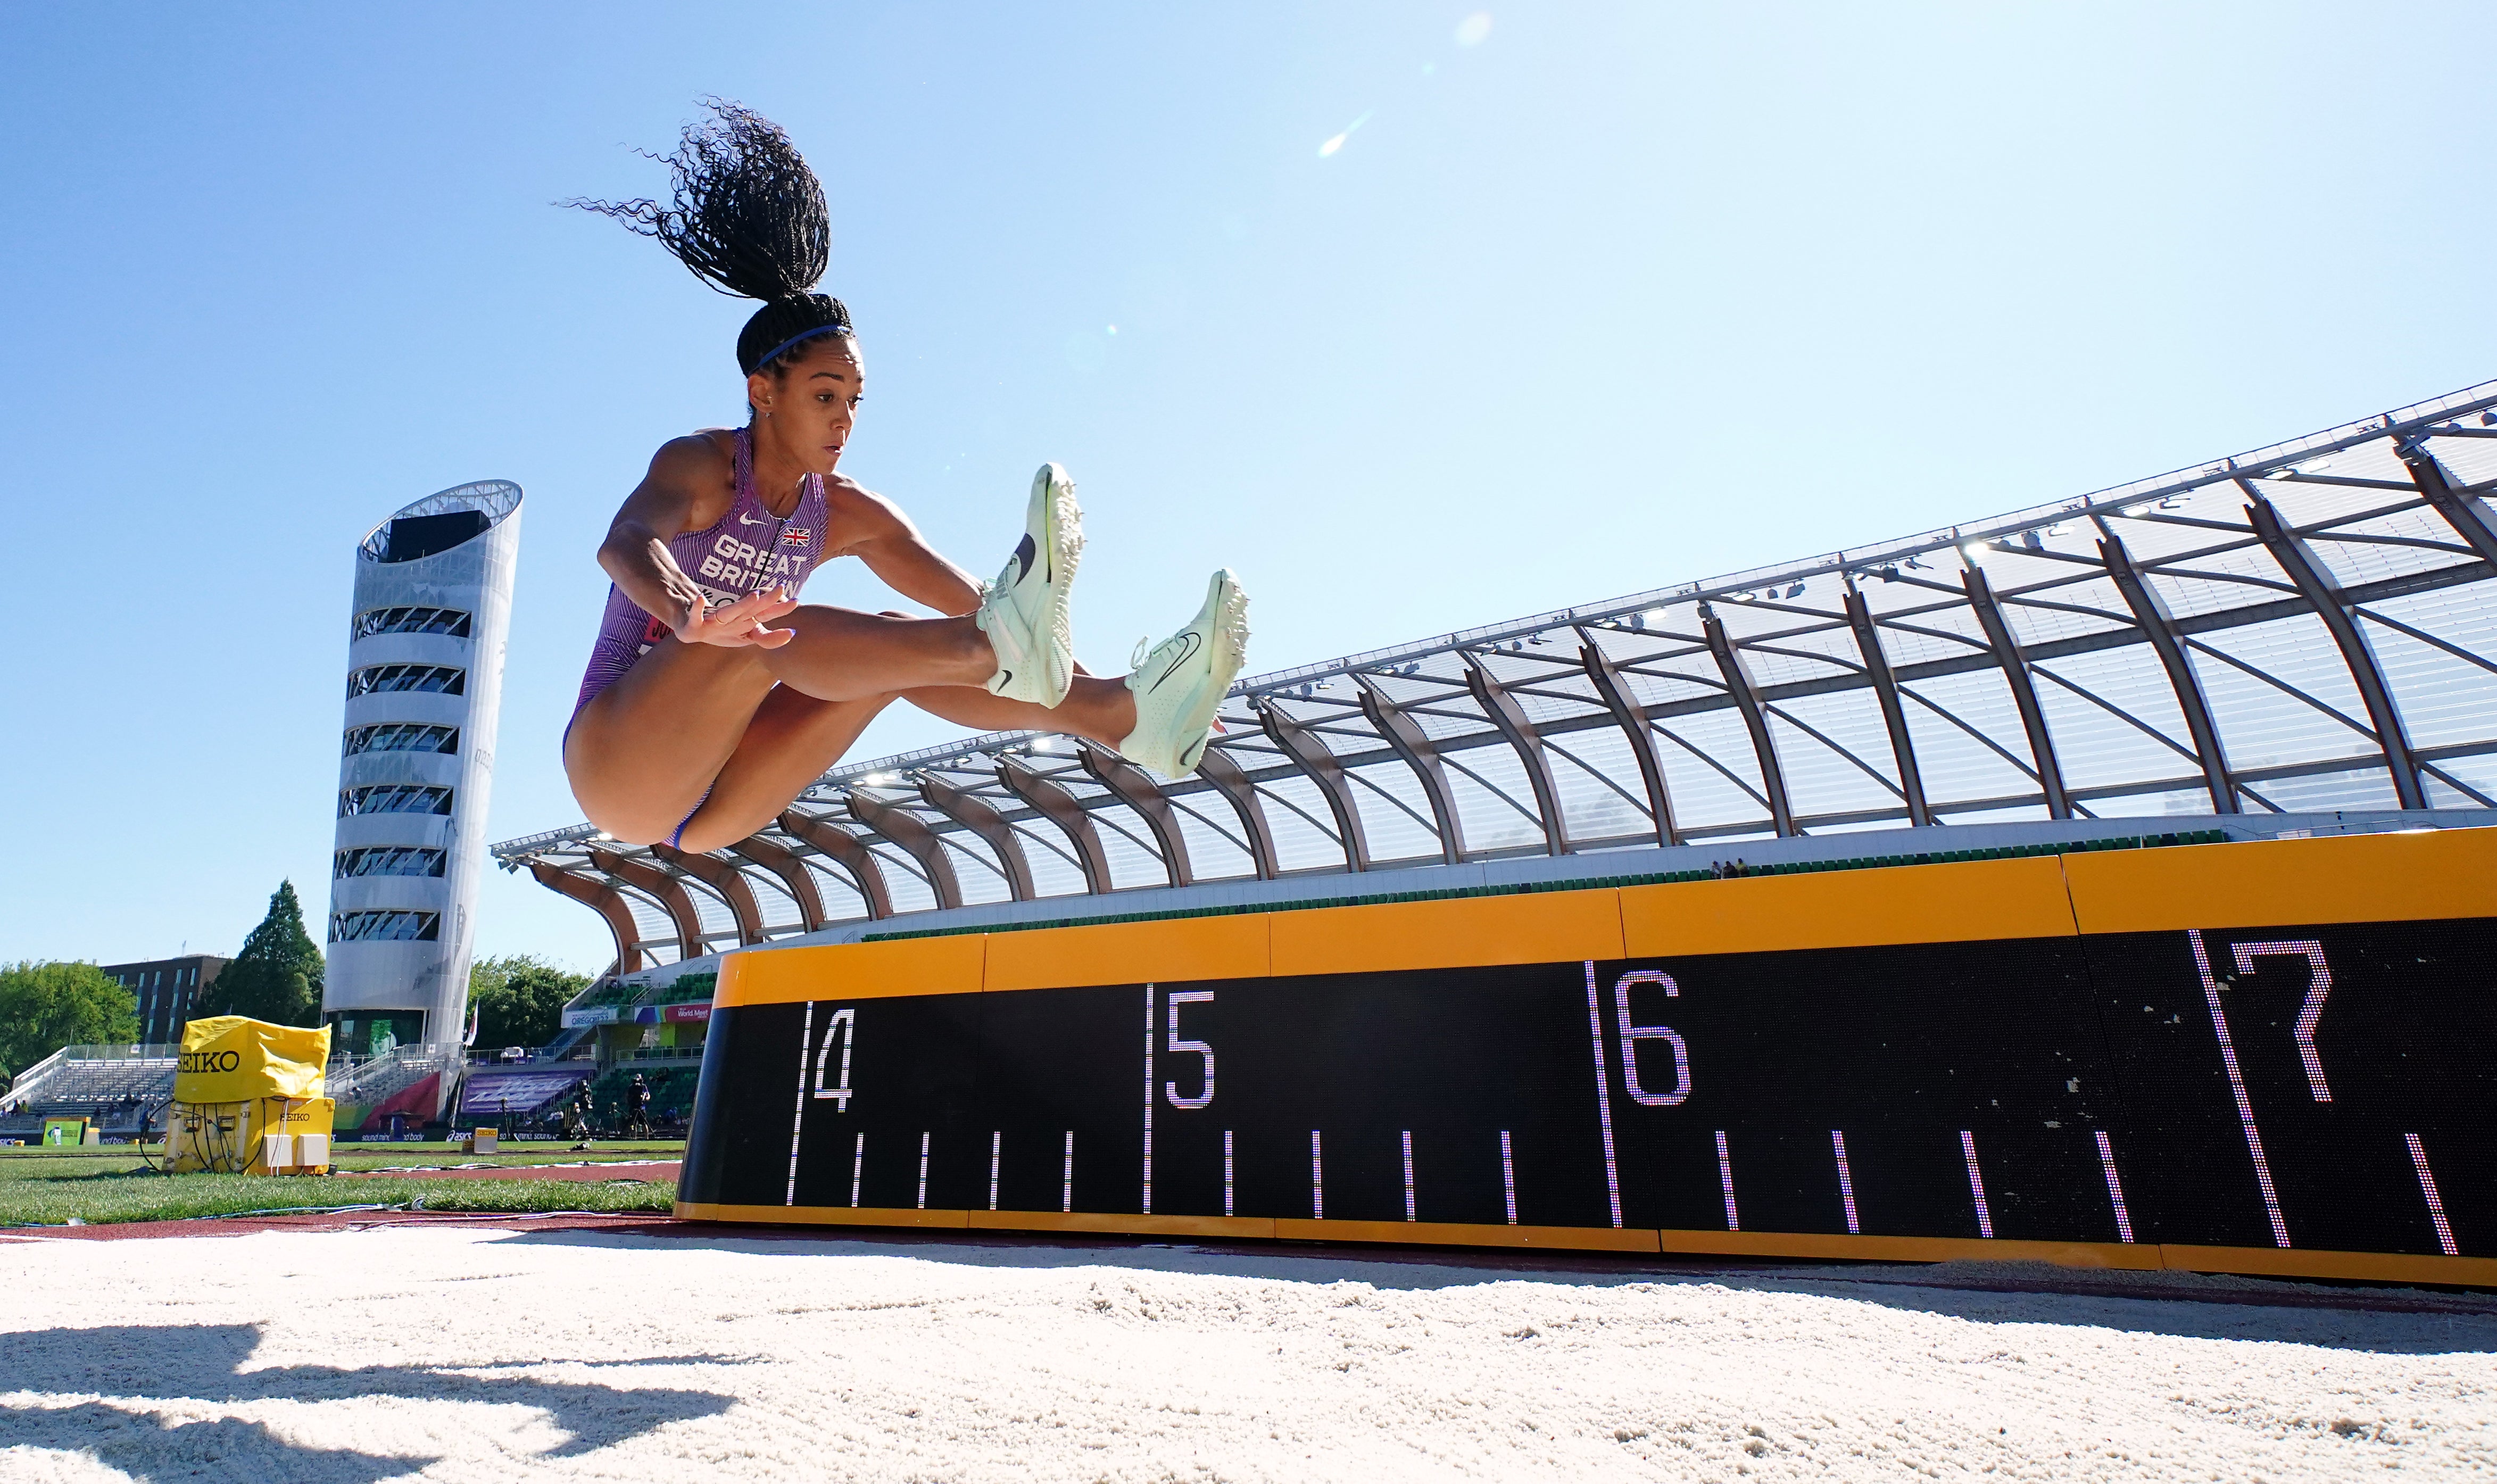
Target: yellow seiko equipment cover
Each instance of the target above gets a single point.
(231, 1058)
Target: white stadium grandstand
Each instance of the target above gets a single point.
(2298, 638)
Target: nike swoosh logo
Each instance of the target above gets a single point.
(742, 519)
(1193, 643)
(1006, 677)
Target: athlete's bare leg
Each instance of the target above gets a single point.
(1102, 710)
(841, 654)
(690, 719)
(794, 737)
(643, 752)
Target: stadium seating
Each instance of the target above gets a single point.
(112, 1085)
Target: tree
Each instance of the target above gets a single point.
(277, 976)
(47, 1006)
(518, 998)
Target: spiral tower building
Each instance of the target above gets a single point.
(424, 682)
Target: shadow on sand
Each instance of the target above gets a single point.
(206, 1363)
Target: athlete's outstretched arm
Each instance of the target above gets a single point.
(636, 557)
(900, 557)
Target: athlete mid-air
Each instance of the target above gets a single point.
(713, 697)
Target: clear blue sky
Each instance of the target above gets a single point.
(1619, 294)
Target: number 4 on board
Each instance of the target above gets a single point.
(844, 1023)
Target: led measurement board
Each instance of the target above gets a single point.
(2304, 1085)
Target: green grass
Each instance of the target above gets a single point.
(50, 1187)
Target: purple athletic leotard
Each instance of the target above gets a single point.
(746, 550)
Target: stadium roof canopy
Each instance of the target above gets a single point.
(2307, 626)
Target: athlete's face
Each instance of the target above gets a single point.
(812, 405)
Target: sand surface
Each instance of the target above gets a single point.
(473, 1353)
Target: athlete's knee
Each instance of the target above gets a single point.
(859, 711)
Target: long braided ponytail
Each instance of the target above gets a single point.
(747, 218)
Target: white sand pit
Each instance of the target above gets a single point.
(477, 1354)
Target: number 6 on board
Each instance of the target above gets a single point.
(1170, 1089)
(1631, 1035)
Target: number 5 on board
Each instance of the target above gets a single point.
(1170, 1089)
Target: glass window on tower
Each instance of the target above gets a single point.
(373, 680)
(393, 799)
(402, 737)
(382, 926)
(449, 622)
(388, 861)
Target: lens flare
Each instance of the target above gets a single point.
(1332, 145)
(1472, 31)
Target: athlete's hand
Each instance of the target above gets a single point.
(741, 624)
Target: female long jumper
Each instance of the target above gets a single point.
(714, 698)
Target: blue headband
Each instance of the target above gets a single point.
(821, 329)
